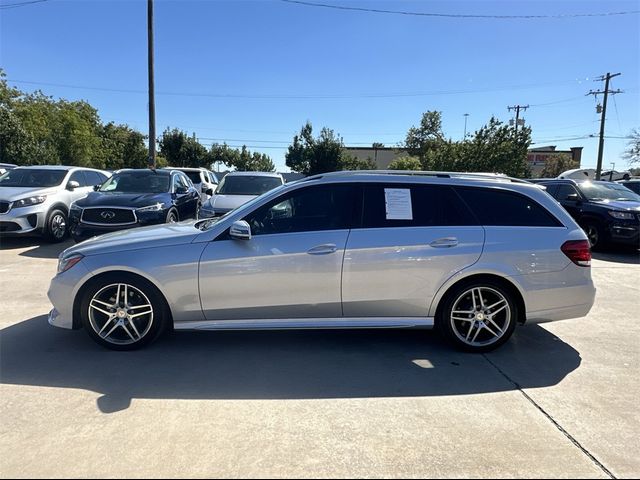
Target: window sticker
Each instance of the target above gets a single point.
(398, 203)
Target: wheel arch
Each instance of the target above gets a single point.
(442, 294)
(77, 322)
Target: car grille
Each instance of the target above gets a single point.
(108, 216)
(4, 207)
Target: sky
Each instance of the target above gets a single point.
(253, 72)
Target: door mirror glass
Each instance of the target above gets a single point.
(240, 230)
(573, 197)
(180, 190)
(72, 185)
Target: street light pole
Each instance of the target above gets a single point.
(152, 100)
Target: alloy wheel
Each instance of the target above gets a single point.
(120, 314)
(58, 226)
(480, 316)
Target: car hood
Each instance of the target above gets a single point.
(228, 202)
(11, 194)
(618, 205)
(137, 238)
(113, 199)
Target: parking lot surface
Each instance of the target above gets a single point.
(558, 400)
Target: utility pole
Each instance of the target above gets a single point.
(152, 99)
(464, 137)
(603, 117)
(517, 108)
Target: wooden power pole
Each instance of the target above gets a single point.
(603, 116)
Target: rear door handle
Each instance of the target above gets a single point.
(446, 242)
(323, 249)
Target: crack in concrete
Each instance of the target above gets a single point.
(586, 452)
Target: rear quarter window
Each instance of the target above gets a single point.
(494, 207)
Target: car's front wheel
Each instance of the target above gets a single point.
(478, 316)
(57, 226)
(172, 216)
(123, 311)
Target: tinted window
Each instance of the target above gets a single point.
(194, 177)
(247, 184)
(564, 191)
(93, 178)
(31, 177)
(308, 209)
(431, 205)
(499, 207)
(213, 178)
(608, 191)
(78, 176)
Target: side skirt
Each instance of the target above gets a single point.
(309, 323)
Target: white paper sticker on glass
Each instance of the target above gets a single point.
(398, 203)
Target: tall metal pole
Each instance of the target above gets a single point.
(465, 126)
(152, 99)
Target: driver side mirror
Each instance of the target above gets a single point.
(72, 185)
(574, 197)
(181, 190)
(209, 191)
(240, 230)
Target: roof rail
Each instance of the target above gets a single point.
(424, 173)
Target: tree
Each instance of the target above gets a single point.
(123, 147)
(632, 153)
(556, 164)
(325, 153)
(242, 160)
(181, 150)
(406, 163)
(427, 136)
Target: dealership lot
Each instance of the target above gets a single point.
(557, 400)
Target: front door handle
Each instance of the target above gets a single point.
(446, 242)
(323, 249)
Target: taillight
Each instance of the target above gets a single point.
(578, 251)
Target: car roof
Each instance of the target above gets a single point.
(254, 174)
(186, 169)
(159, 171)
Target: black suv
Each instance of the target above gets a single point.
(608, 212)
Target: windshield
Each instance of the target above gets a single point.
(193, 176)
(247, 184)
(145, 181)
(245, 207)
(32, 177)
(608, 191)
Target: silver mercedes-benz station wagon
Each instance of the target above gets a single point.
(472, 255)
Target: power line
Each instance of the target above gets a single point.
(9, 6)
(456, 15)
(302, 96)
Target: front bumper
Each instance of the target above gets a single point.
(23, 220)
(627, 233)
(62, 293)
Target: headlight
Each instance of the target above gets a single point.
(622, 215)
(27, 202)
(151, 208)
(65, 263)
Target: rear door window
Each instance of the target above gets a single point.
(505, 208)
(431, 205)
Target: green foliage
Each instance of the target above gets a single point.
(325, 153)
(123, 147)
(556, 164)
(632, 153)
(241, 159)
(351, 162)
(181, 150)
(427, 136)
(406, 163)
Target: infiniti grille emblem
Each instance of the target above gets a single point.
(108, 214)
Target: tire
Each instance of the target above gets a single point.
(56, 228)
(495, 312)
(108, 320)
(172, 216)
(595, 234)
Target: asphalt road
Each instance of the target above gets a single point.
(559, 400)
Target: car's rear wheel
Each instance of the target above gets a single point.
(123, 311)
(57, 226)
(478, 316)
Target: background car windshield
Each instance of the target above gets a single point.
(247, 185)
(138, 182)
(28, 177)
(613, 191)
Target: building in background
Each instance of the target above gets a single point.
(537, 157)
(382, 156)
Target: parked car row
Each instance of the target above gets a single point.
(58, 201)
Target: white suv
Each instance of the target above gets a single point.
(204, 180)
(36, 199)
